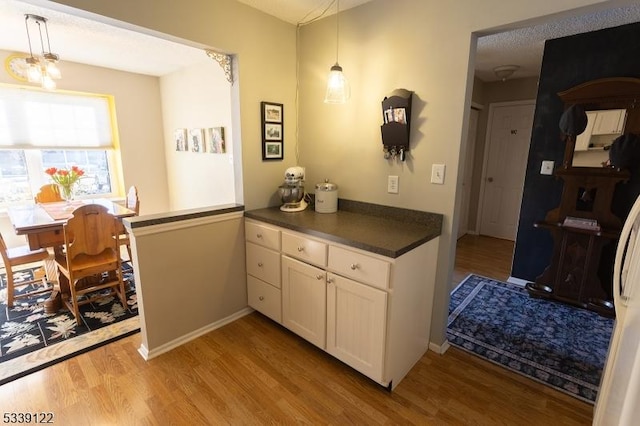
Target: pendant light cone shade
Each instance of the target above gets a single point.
(337, 86)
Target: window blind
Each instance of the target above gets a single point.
(33, 119)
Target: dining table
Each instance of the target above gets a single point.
(42, 225)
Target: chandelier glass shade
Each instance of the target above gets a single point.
(42, 69)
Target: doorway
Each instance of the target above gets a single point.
(505, 161)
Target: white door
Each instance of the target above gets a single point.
(304, 300)
(463, 224)
(356, 323)
(507, 150)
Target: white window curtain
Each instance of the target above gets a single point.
(31, 119)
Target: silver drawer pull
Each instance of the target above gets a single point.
(260, 264)
(261, 298)
(300, 248)
(258, 235)
(354, 266)
(319, 277)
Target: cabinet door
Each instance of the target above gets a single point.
(356, 325)
(304, 300)
(610, 122)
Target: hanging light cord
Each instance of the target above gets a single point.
(298, 25)
(40, 32)
(26, 24)
(337, 28)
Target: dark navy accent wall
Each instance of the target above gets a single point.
(567, 62)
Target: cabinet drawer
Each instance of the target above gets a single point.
(261, 234)
(263, 263)
(360, 267)
(305, 249)
(264, 298)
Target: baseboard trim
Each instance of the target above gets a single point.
(147, 354)
(439, 349)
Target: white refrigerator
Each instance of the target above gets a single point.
(618, 401)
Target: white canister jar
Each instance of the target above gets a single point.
(326, 197)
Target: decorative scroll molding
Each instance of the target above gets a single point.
(224, 61)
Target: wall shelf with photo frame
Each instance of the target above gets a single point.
(272, 130)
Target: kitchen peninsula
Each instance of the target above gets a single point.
(357, 283)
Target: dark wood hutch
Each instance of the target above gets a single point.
(573, 274)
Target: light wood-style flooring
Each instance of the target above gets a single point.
(253, 371)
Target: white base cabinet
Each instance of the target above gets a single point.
(356, 325)
(370, 311)
(304, 300)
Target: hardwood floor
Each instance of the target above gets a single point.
(255, 372)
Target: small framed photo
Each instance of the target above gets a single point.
(272, 151)
(196, 139)
(271, 112)
(180, 139)
(214, 140)
(272, 132)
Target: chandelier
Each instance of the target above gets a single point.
(41, 69)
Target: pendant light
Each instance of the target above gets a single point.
(43, 69)
(337, 85)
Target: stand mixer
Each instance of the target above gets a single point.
(292, 190)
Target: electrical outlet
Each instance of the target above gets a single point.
(437, 173)
(546, 168)
(392, 184)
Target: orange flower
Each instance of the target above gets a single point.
(65, 177)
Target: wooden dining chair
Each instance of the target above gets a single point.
(49, 193)
(132, 202)
(21, 256)
(91, 257)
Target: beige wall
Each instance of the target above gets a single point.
(421, 45)
(198, 97)
(200, 262)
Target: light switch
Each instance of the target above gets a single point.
(547, 167)
(437, 173)
(392, 184)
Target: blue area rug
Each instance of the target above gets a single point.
(553, 343)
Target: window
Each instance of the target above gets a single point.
(41, 129)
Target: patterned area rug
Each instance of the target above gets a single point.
(31, 340)
(553, 343)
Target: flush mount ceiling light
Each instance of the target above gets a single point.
(505, 71)
(41, 69)
(337, 85)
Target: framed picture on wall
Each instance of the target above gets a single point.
(180, 139)
(271, 112)
(272, 130)
(272, 151)
(214, 140)
(196, 140)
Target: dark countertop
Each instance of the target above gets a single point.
(180, 215)
(384, 230)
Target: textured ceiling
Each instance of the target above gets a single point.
(87, 41)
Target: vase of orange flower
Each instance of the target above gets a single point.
(66, 180)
